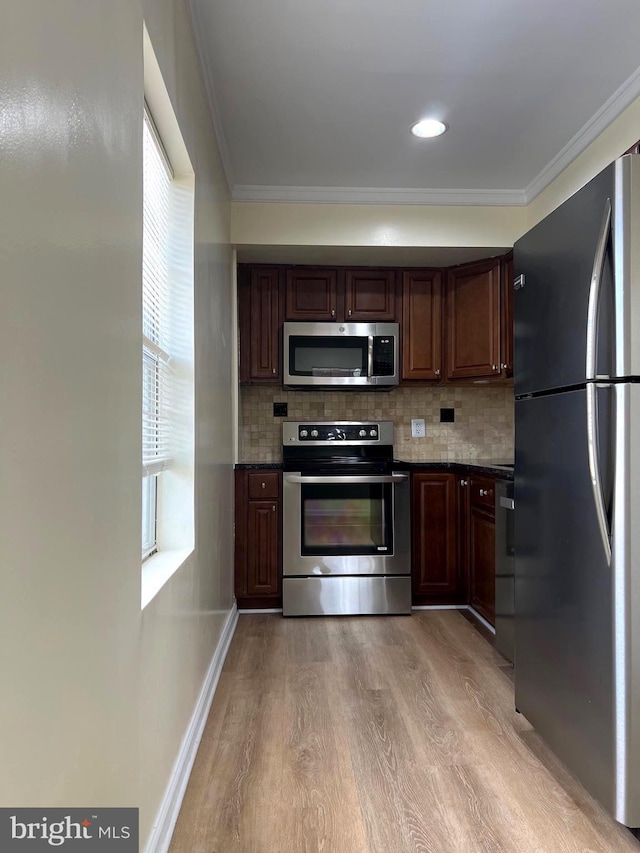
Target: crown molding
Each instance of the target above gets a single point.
(608, 112)
(374, 195)
(223, 150)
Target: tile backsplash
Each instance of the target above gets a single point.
(483, 426)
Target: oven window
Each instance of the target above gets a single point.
(347, 519)
(327, 356)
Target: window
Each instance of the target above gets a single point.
(156, 330)
(168, 445)
(167, 355)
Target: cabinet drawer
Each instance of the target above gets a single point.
(483, 492)
(263, 485)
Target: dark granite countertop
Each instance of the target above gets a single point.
(481, 466)
(498, 468)
(258, 466)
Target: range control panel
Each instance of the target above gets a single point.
(344, 432)
(335, 432)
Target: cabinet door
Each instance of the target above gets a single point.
(473, 320)
(258, 538)
(311, 293)
(506, 337)
(260, 319)
(370, 295)
(422, 324)
(263, 570)
(482, 562)
(464, 491)
(435, 569)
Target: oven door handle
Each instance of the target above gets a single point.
(348, 478)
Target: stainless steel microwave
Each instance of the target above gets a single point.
(340, 355)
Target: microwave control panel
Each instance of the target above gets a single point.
(383, 347)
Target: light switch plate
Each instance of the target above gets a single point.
(417, 428)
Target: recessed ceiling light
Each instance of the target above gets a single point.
(428, 127)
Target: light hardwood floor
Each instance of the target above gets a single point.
(378, 735)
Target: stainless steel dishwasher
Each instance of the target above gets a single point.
(505, 560)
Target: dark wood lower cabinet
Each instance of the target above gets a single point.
(258, 544)
(436, 578)
(482, 538)
(453, 540)
(453, 525)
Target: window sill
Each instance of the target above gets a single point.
(157, 570)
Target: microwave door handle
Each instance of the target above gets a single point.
(370, 357)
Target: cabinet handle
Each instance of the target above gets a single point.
(437, 371)
(333, 312)
(464, 482)
(349, 312)
(504, 366)
(494, 366)
(273, 370)
(483, 493)
(273, 508)
(264, 485)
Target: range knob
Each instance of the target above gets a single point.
(373, 433)
(362, 433)
(303, 433)
(314, 433)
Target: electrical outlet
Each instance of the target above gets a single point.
(417, 428)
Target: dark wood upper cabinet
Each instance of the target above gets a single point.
(456, 323)
(422, 324)
(260, 318)
(473, 320)
(370, 294)
(435, 576)
(506, 333)
(311, 293)
(343, 293)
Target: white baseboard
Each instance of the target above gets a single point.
(162, 831)
(481, 619)
(251, 610)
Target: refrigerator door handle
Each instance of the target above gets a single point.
(594, 291)
(594, 468)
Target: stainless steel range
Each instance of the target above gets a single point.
(346, 536)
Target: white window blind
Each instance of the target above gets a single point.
(158, 388)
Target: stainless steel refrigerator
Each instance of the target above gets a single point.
(577, 484)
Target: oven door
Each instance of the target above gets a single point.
(346, 525)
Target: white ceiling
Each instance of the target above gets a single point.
(313, 99)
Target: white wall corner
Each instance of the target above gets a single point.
(164, 824)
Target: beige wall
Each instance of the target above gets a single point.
(97, 695)
(278, 223)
